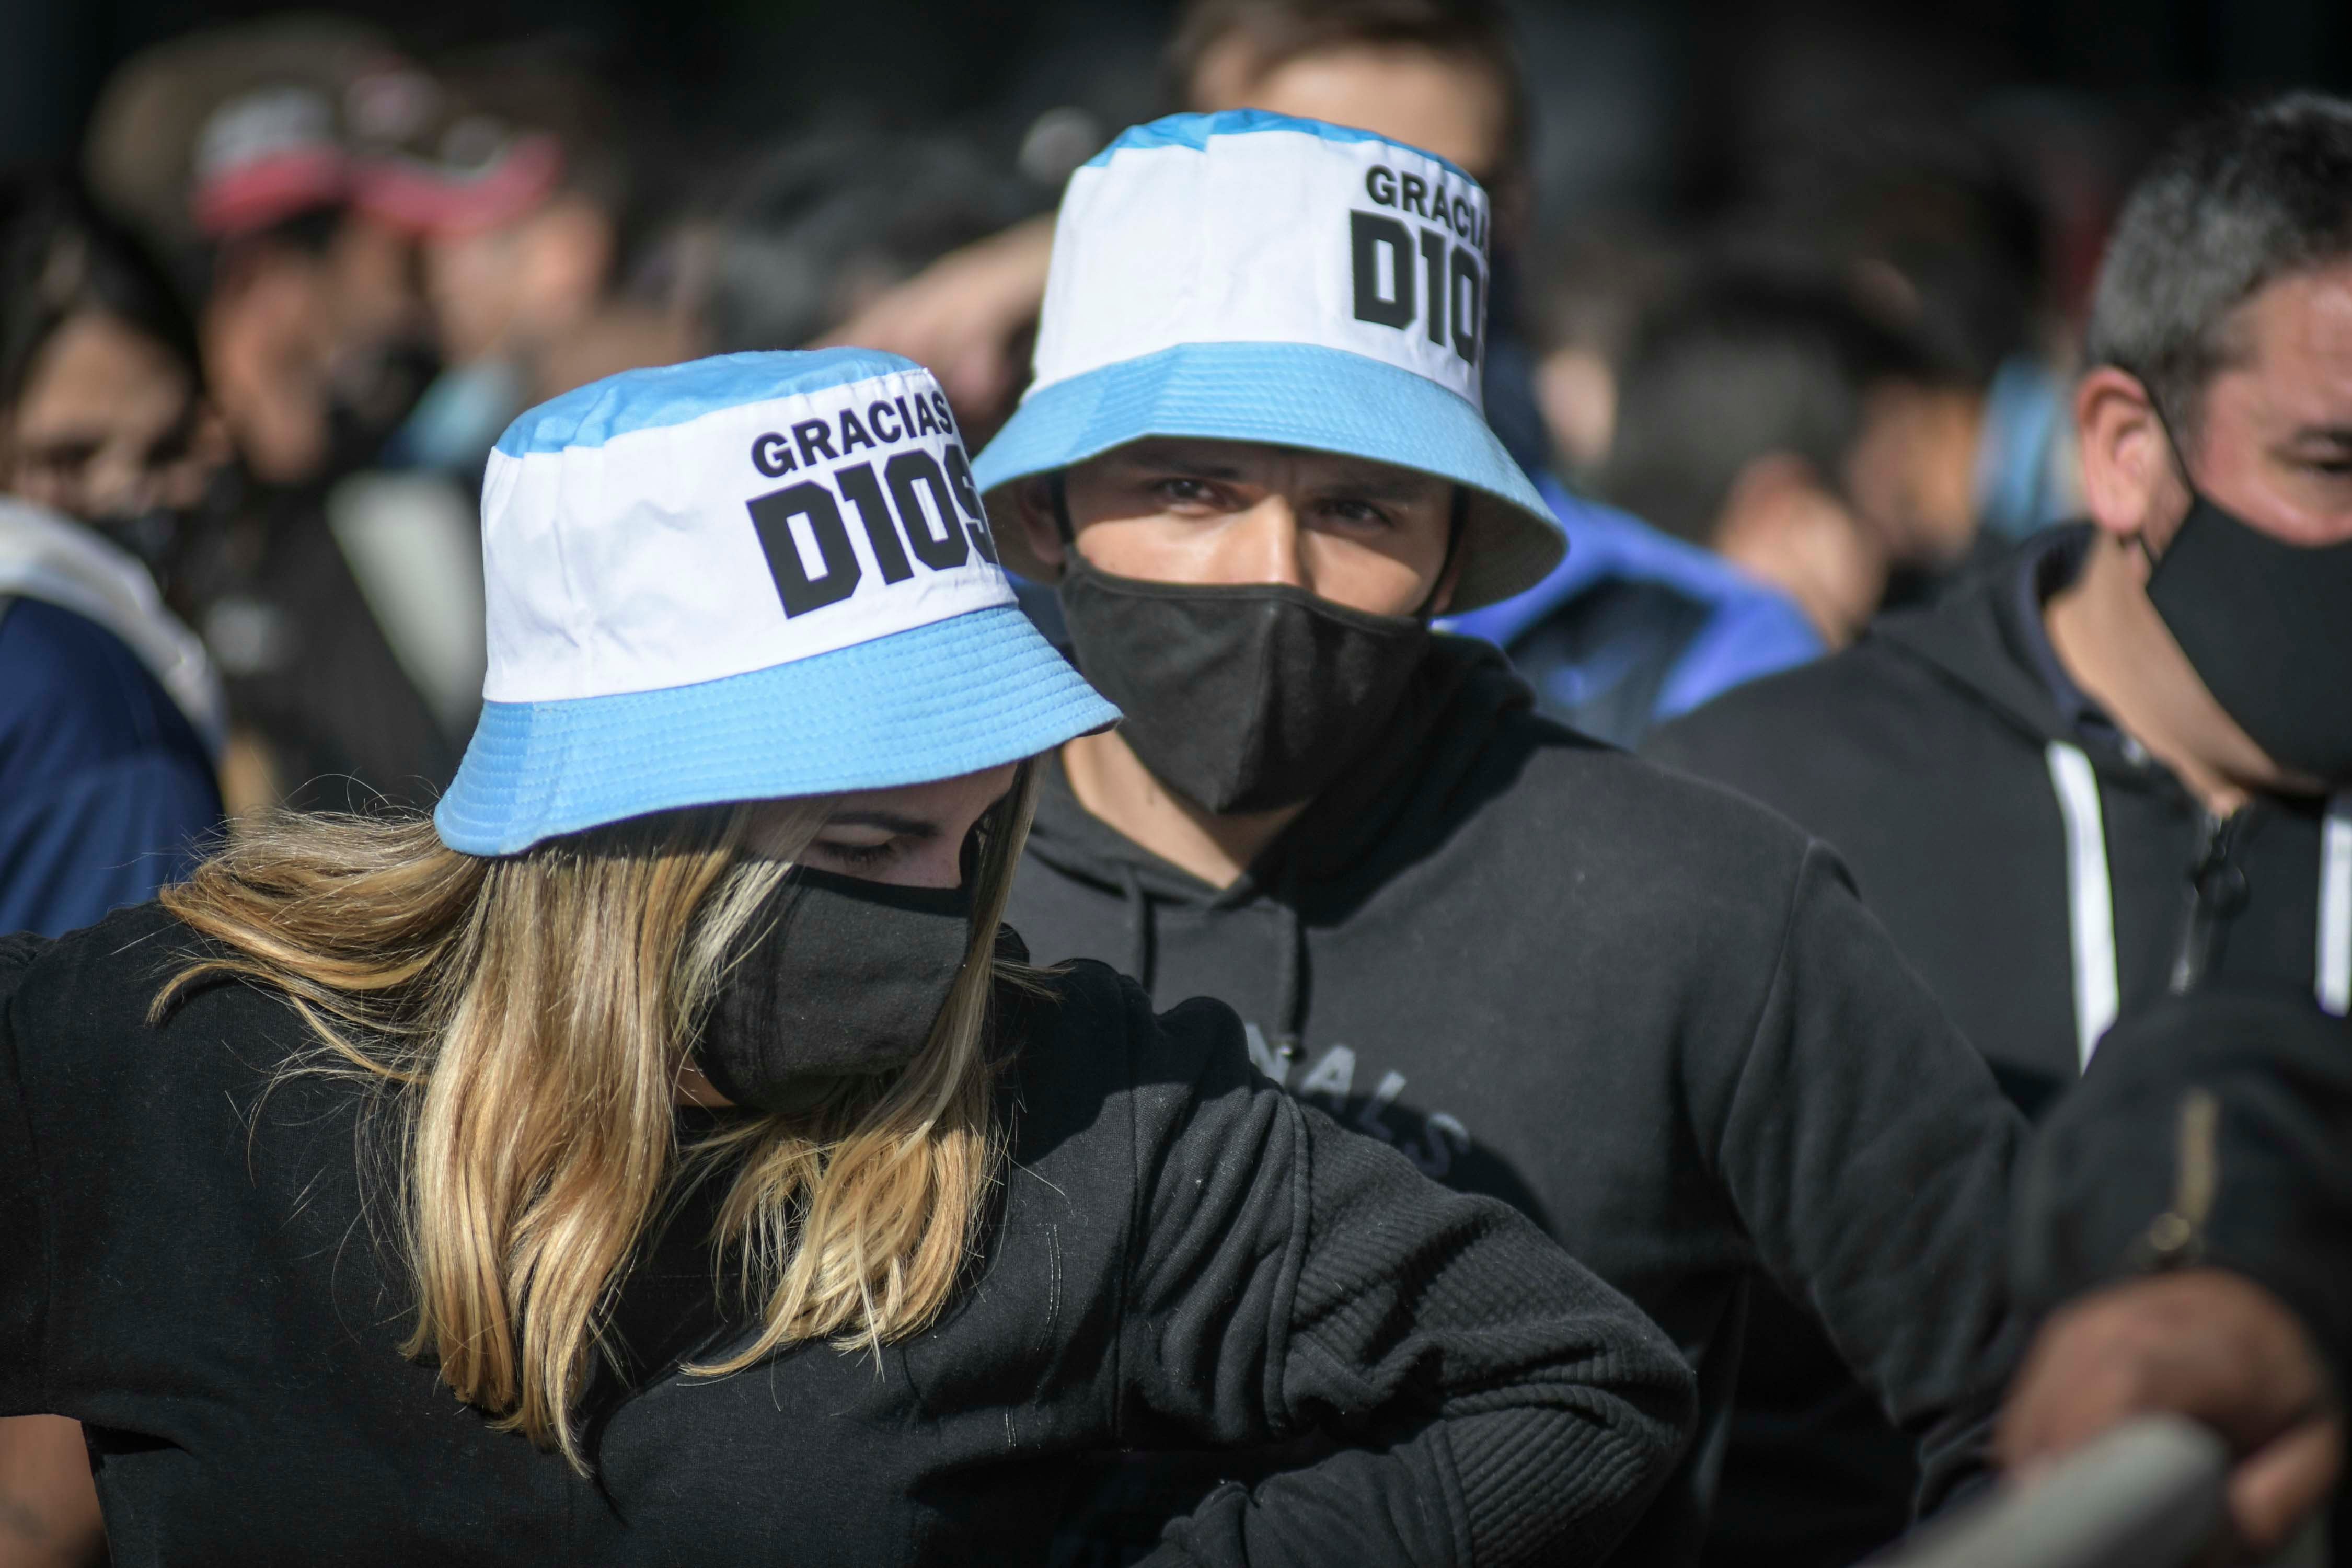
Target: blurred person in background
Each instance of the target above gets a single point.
(109, 714)
(824, 226)
(1773, 419)
(2182, 1228)
(2118, 766)
(1937, 233)
(234, 151)
(524, 191)
(342, 609)
(1649, 1015)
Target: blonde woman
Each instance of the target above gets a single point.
(662, 1155)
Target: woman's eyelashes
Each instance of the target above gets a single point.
(864, 857)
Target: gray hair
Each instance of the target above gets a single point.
(2229, 205)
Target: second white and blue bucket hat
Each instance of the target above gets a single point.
(1251, 276)
(759, 575)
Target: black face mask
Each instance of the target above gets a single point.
(1239, 698)
(841, 976)
(2268, 627)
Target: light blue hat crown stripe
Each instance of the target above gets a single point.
(590, 415)
(1193, 132)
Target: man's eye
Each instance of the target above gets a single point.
(1191, 492)
(1360, 513)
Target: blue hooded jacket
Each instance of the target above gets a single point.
(1635, 628)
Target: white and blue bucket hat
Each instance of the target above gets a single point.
(758, 575)
(1250, 277)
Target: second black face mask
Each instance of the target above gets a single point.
(841, 976)
(1239, 698)
(2268, 627)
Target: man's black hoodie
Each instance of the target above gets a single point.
(1925, 755)
(1647, 1013)
(2043, 874)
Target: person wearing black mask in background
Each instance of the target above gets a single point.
(2104, 773)
(257, 151)
(109, 713)
(1648, 1014)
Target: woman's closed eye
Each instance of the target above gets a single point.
(858, 856)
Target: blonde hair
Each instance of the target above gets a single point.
(528, 1020)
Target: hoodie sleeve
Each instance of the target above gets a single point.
(2220, 1123)
(24, 1258)
(1870, 1156)
(1288, 1277)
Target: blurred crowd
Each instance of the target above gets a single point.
(264, 336)
(257, 343)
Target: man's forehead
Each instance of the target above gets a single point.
(1236, 459)
(2295, 338)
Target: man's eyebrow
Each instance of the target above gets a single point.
(1174, 461)
(888, 821)
(1378, 484)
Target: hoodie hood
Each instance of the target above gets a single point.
(1985, 636)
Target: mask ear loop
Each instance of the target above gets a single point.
(2178, 459)
(1455, 525)
(1057, 490)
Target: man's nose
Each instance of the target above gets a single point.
(1267, 544)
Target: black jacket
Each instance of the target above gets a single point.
(1652, 1015)
(1179, 1255)
(1961, 775)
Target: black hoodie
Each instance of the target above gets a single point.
(2039, 868)
(190, 1266)
(1649, 1014)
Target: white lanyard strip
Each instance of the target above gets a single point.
(2090, 895)
(2334, 985)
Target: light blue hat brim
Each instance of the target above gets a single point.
(953, 697)
(1289, 394)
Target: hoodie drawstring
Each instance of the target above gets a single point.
(2090, 900)
(2334, 985)
(2090, 897)
(1139, 926)
(1290, 975)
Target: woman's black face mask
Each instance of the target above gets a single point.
(839, 976)
(1242, 697)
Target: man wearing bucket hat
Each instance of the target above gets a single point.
(1652, 1015)
(695, 975)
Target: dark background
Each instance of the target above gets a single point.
(1648, 106)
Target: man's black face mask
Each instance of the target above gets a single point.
(2268, 627)
(1242, 697)
(839, 976)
